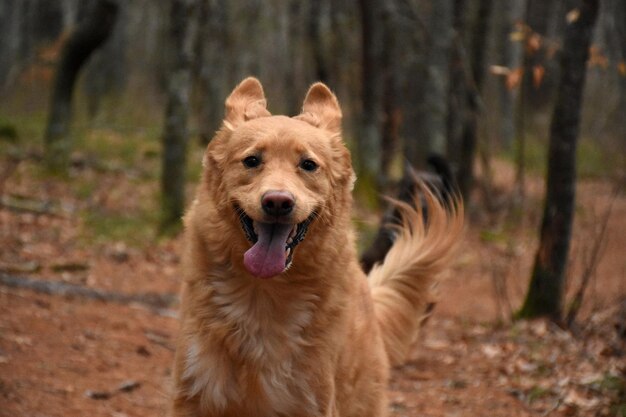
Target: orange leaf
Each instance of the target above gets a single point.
(621, 68)
(538, 72)
(597, 58)
(534, 43)
(514, 78)
(572, 15)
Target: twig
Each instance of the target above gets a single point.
(155, 301)
(592, 261)
(33, 207)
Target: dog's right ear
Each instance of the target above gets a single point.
(246, 102)
(321, 109)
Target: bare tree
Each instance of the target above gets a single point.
(175, 135)
(545, 292)
(469, 137)
(432, 107)
(368, 146)
(86, 38)
(457, 103)
(314, 31)
(509, 55)
(391, 104)
(211, 73)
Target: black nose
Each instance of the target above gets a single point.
(278, 203)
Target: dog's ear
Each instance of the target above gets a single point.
(321, 109)
(246, 102)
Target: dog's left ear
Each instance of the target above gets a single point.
(246, 102)
(321, 109)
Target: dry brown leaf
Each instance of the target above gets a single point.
(597, 58)
(514, 79)
(539, 328)
(574, 398)
(621, 68)
(572, 15)
(437, 344)
(533, 44)
(499, 70)
(538, 73)
(490, 351)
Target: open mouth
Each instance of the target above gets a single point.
(273, 244)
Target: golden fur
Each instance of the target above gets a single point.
(318, 338)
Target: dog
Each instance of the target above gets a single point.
(277, 316)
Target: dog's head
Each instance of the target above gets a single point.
(277, 174)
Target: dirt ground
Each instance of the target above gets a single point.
(71, 356)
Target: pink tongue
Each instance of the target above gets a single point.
(267, 257)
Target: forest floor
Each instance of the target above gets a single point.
(74, 356)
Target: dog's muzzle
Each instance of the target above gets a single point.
(273, 244)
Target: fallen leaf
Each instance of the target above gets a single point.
(490, 351)
(499, 70)
(538, 73)
(525, 366)
(98, 395)
(574, 398)
(572, 15)
(128, 386)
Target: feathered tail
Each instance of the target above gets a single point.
(401, 285)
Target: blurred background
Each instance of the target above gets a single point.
(395, 67)
(107, 106)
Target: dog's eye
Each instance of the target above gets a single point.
(252, 161)
(308, 165)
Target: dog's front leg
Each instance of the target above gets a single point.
(182, 404)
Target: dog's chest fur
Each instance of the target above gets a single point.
(247, 349)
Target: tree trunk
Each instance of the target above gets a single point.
(106, 74)
(320, 57)
(390, 129)
(368, 144)
(11, 35)
(469, 139)
(86, 38)
(293, 51)
(617, 121)
(457, 93)
(430, 136)
(510, 55)
(211, 66)
(175, 135)
(545, 292)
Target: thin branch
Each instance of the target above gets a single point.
(591, 262)
(154, 301)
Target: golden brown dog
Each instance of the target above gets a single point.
(277, 317)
